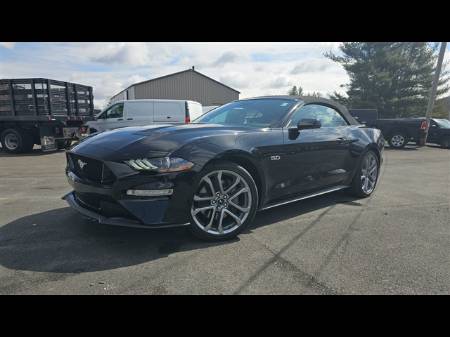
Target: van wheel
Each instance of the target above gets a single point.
(16, 141)
(398, 140)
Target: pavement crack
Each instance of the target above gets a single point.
(278, 255)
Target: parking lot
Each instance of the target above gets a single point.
(395, 242)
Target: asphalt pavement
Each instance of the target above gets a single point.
(395, 242)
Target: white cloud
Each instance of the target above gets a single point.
(252, 68)
(280, 82)
(227, 57)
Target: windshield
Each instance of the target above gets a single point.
(261, 113)
(443, 123)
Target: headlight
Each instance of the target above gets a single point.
(161, 165)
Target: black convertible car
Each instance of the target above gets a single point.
(215, 173)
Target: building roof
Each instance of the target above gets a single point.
(177, 73)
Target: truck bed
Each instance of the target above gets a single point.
(39, 99)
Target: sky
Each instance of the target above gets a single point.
(254, 69)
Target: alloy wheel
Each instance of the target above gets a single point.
(398, 140)
(222, 202)
(369, 173)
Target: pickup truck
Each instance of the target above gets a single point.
(397, 131)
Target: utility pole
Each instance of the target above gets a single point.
(434, 86)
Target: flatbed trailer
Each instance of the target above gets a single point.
(42, 111)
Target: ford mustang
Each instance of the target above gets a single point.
(214, 174)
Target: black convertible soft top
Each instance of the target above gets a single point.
(311, 99)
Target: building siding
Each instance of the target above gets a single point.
(187, 85)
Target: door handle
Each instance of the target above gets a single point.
(344, 140)
(129, 119)
(169, 117)
(120, 119)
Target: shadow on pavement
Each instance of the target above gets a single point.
(281, 213)
(35, 152)
(62, 241)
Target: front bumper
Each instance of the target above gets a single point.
(109, 204)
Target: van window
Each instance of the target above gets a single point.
(116, 111)
(140, 109)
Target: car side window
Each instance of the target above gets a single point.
(327, 116)
(116, 111)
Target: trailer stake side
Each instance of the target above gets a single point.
(42, 111)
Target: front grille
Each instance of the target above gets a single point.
(103, 205)
(90, 169)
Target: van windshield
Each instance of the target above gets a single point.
(261, 113)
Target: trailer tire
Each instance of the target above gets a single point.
(16, 141)
(63, 144)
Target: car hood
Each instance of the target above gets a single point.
(149, 141)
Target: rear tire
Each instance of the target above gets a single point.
(366, 177)
(230, 209)
(16, 141)
(398, 139)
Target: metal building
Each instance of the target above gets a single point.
(188, 84)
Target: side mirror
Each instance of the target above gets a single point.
(304, 124)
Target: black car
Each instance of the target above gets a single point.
(439, 132)
(215, 173)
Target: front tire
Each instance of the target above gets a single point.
(224, 202)
(366, 177)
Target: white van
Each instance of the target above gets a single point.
(145, 111)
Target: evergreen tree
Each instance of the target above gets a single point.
(393, 77)
(294, 91)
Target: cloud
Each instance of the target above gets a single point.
(9, 45)
(235, 80)
(227, 57)
(280, 82)
(112, 67)
(310, 66)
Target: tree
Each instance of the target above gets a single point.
(314, 94)
(393, 77)
(294, 91)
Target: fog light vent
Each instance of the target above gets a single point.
(150, 193)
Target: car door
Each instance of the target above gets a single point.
(112, 118)
(316, 158)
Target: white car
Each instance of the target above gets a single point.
(145, 111)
